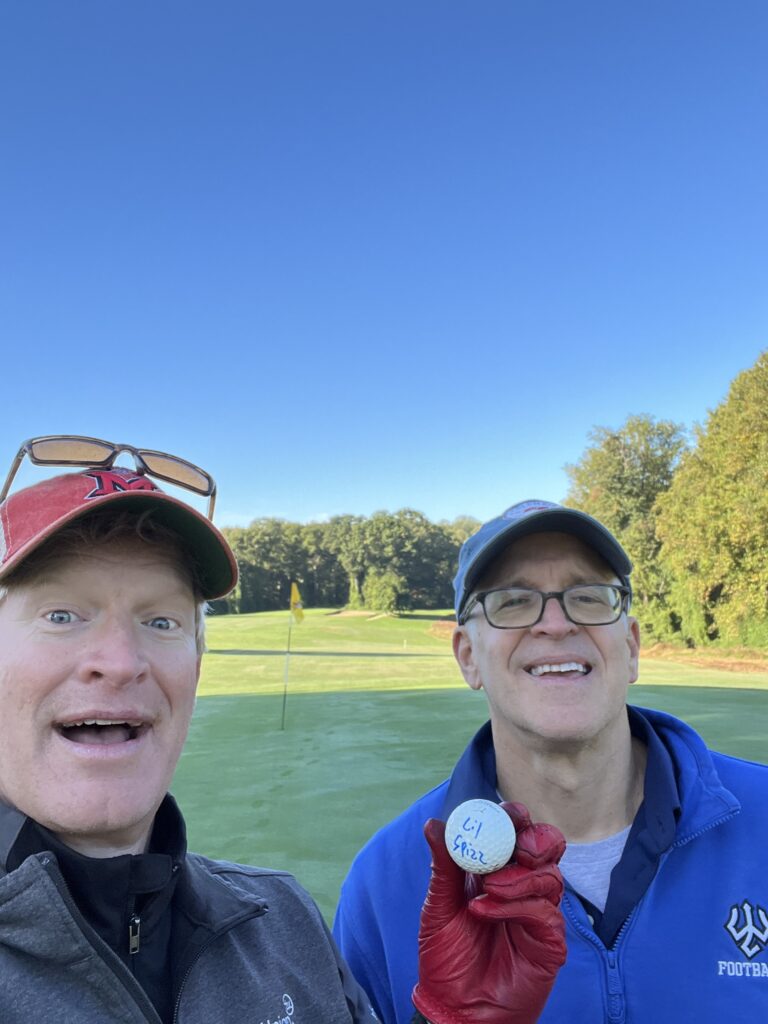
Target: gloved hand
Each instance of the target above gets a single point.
(491, 945)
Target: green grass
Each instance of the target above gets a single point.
(377, 713)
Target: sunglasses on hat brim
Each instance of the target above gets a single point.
(94, 453)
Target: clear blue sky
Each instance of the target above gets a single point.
(378, 253)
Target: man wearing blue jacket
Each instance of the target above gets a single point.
(666, 887)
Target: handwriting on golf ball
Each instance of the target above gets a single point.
(464, 846)
(473, 825)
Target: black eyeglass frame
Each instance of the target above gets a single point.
(558, 595)
(209, 491)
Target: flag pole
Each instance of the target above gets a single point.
(296, 615)
(285, 670)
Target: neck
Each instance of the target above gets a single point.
(589, 792)
(101, 848)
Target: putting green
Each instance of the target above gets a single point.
(376, 714)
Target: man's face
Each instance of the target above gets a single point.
(528, 701)
(98, 671)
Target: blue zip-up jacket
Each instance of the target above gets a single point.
(693, 945)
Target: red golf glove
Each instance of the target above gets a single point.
(491, 945)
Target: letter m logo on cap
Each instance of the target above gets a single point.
(110, 482)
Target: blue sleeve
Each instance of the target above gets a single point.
(359, 940)
(377, 920)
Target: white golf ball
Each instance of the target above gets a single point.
(480, 836)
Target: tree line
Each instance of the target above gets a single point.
(690, 507)
(390, 561)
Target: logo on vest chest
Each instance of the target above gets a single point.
(284, 1016)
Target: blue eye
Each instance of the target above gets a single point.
(60, 617)
(162, 622)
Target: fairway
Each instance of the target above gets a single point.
(377, 713)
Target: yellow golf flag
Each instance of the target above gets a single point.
(296, 605)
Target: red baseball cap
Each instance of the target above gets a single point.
(32, 515)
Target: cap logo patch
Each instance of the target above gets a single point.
(110, 483)
(525, 507)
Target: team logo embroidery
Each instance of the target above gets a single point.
(110, 482)
(748, 927)
(525, 508)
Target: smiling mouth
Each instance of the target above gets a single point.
(566, 667)
(102, 731)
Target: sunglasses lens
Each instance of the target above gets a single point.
(79, 450)
(177, 471)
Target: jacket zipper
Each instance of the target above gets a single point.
(615, 989)
(241, 919)
(616, 1008)
(137, 993)
(134, 930)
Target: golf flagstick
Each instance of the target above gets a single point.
(296, 614)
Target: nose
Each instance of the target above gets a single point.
(554, 621)
(112, 653)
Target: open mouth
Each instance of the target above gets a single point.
(581, 668)
(101, 730)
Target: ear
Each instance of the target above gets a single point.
(464, 653)
(633, 643)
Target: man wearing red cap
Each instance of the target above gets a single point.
(104, 915)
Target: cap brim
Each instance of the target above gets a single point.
(555, 520)
(216, 566)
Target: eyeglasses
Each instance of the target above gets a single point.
(90, 452)
(586, 604)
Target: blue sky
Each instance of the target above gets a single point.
(378, 253)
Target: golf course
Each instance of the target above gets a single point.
(376, 713)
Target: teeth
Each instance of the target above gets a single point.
(103, 721)
(568, 666)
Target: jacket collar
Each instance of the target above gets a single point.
(681, 766)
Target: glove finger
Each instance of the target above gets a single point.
(514, 883)
(446, 892)
(539, 928)
(537, 932)
(519, 814)
(539, 844)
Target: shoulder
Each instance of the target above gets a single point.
(742, 777)
(271, 885)
(692, 754)
(711, 783)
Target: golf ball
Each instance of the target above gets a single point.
(480, 836)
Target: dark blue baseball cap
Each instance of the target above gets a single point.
(527, 517)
